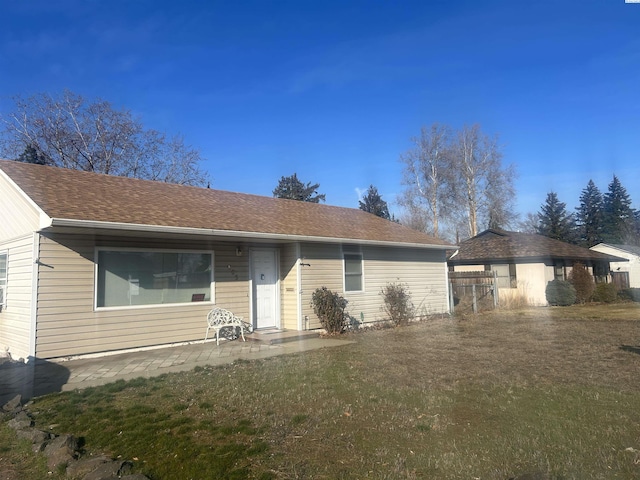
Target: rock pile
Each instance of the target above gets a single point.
(63, 451)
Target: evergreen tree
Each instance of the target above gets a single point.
(618, 214)
(372, 202)
(590, 216)
(293, 189)
(555, 222)
(635, 237)
(31, 155)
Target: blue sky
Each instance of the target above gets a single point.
(334, 90)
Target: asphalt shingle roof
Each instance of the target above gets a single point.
(503, 246)
(83, 196)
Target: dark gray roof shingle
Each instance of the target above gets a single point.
(496, 245)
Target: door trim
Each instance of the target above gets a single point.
(252, 296)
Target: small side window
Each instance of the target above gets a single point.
(353, 272)
(558, 272)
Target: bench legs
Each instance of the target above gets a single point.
(217, 329)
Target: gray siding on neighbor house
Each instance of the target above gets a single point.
(422, 270)
(15, 318)
(69, 325)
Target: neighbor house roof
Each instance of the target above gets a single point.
(500, 246)
(634, 249)
(70, 198)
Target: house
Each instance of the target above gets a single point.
(524, 263)
(623, 274)
(93, 263)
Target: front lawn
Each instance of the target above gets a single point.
(551, 390)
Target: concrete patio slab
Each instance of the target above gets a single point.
(40, 377)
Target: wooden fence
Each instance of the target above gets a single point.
(473, 290)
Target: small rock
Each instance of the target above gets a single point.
(33, 435)
(108, 470)
(20, 421)
(135, 476)
(12, 404)
(61, 450)
(84, 466)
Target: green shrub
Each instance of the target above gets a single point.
(329, 307)
(582, 281)
(560, 292)
(629, 294)
(605, 293)
(397, 303)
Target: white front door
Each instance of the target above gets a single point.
(265, 287)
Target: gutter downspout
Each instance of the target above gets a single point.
(301, 322)
(35, 272)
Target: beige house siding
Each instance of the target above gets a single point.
(289, 291)
(68, 324)
(17, 216)
(423, 271)
(323, 269)
(531, 278)
(15, 319)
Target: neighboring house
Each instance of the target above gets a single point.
(93, 263)
(525, 263)
(623, 274)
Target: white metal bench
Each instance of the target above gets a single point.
(219, 318)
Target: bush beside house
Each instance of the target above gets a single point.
(561, 293)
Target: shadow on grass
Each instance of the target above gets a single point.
(32, 379)
(630, 348)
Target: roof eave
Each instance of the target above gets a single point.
(536, 259)
(143, 228)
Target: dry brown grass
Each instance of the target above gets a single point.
(491, 396)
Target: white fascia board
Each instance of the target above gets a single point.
(131, 227)
(45, 220)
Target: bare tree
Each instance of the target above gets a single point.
(426, 175)
(482, 186)
(457, 181)
(71, 132)
(530, 223)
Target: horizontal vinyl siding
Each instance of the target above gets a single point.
(68, 324)
(424, 272)
(17, 216)
(289, 286)
(15, 319)
(324, 270)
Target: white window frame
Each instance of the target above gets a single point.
(4, 281)
(155, 305)
(344, 271)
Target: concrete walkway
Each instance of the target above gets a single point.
(40, 377)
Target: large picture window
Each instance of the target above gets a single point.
(3, 279)
(352, 272)
(127, 278)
